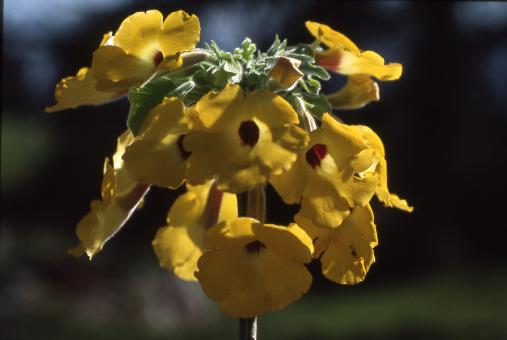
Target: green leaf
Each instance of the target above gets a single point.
(316, 104)
(144, 98)
(314, 71)
(302, 57)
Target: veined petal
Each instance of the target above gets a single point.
(357, 92)
(139, 33)
(78, 90)
(180, 33)
(120, 197)
(117, 70)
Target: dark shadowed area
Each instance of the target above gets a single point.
(440, 271)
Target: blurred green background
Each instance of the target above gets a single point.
(440, 272)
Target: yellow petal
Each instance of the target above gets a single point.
(120, 198)
(157, 156)
(181, 32)
(349, 254)
(357, 92)
(178, 249)
(242, 180)
(78, 90)
(242, 139)
(217, 270)
(323, 206)
(364, 63)
(348, 151)
(330, 37)
(232, 233)
(291, 241)
(290, 184)
(139, 33)
(179, 245)
(248, 275)
(149, 162)
(116, 70)
(271, 109)
(215, 109)
(286, 72)
(319, 236)
(382, 192)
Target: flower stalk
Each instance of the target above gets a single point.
(256, 208)
(248, 328)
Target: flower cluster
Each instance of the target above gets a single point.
(230, 123)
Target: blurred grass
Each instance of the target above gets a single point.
(445, 306)
(26, 143)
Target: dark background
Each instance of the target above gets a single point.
(440, 271)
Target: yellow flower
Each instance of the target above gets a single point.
(344, 57)
(157, 155)
(143, 44)
(346, 252)
(242, 139)
(253, 268)
(179, 244)
(382, 192)
(78, 90)
(331, 175)
(120, 197)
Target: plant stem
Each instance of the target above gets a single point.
(248, 328)
(256, 204)
(255, 208)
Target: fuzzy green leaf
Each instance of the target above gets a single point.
(144, 98)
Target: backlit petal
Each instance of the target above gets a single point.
(179, 244)
(180, 32)
(120, 197)
(357, 92)
(78, 90)
(116, 70)
(330, 37)
(157, 156)
(382, 192)
(138, 34)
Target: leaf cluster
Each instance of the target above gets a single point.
(246, 66)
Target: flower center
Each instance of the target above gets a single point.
(183, 153)
(157, 57)
(315, 154)
(254, 247)
(249, 133)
